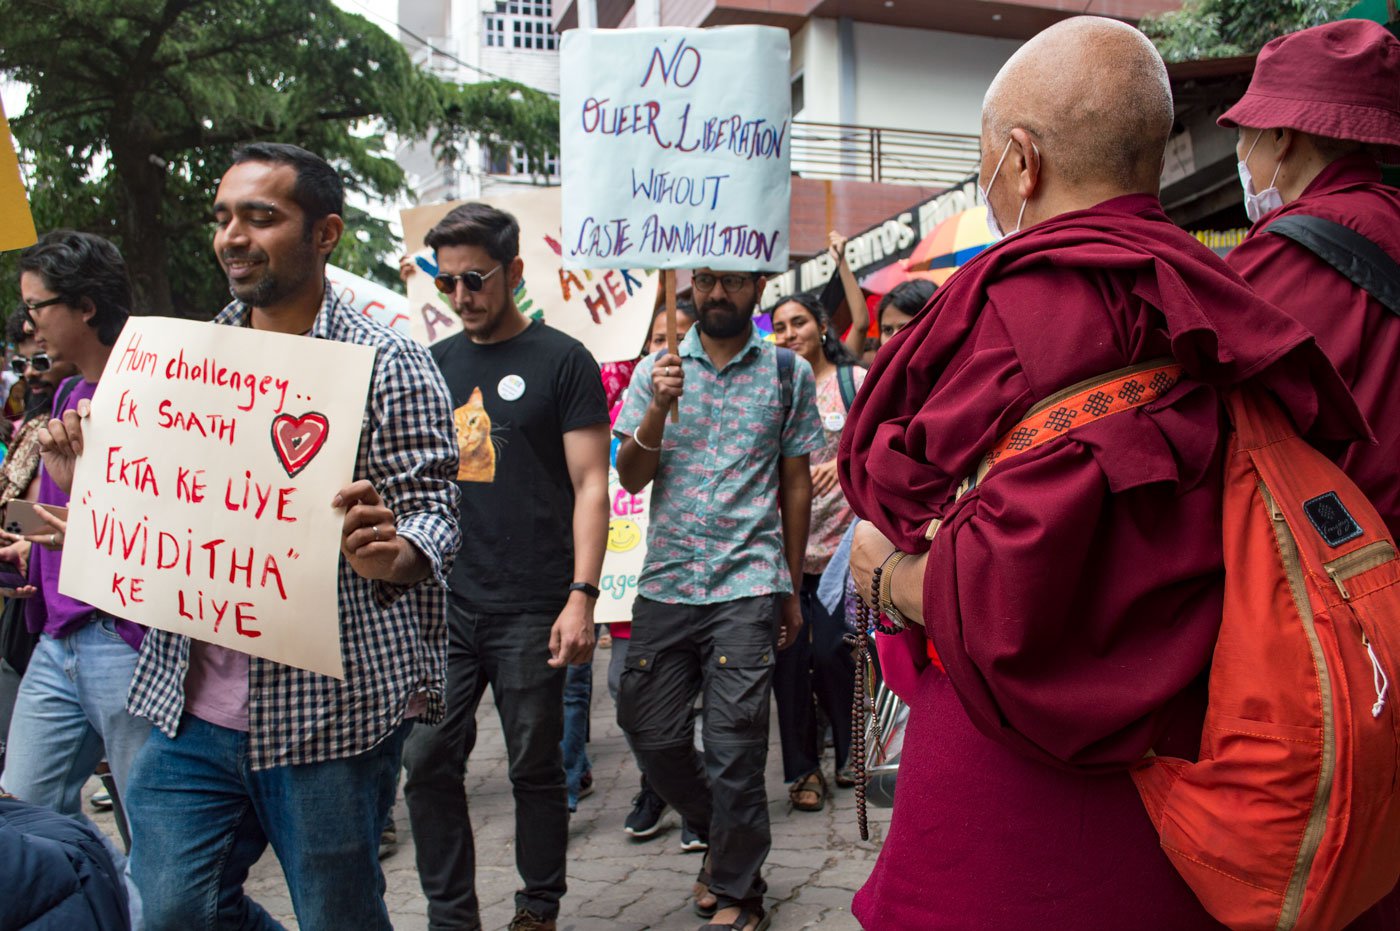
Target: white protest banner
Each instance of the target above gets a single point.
(202, 501)
(608, 311)
(627, 547)
(674, 146)
(424, 319)
(370, 298)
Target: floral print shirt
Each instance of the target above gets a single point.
(715, 534)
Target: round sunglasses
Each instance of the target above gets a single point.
(474, 281)
(40, 361)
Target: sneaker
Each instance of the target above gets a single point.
(691, 842)
(526, 920)
(585, 785)
(645, 819)
(100, 800)
(388, 841)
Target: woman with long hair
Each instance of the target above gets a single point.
(817, 669)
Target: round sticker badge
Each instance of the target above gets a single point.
(834, 421)
(511, 388)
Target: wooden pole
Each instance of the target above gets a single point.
(673, 342)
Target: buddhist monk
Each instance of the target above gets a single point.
(1321, 109)
(1074, 596)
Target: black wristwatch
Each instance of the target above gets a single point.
(590, 590)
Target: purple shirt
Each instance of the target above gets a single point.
(48, 611)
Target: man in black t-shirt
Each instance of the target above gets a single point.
(532, 430)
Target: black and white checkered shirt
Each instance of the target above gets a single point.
(393, 639)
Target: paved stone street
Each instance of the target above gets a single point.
(816, 864)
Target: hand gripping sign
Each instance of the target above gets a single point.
(675, 147)
(202, 501)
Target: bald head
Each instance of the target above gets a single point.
(1094, 95)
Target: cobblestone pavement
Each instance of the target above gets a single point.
(617, 884)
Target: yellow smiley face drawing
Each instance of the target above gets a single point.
(623, 535)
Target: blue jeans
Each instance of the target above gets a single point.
(578, 699)
(72, 704)
(201, 817)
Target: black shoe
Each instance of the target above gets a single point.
(526, 920)
(645, 819)
(692, 842)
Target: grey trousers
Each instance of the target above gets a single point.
(728, 650)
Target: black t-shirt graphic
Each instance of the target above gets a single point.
(513, 402)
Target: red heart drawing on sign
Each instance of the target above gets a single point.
(297, 440)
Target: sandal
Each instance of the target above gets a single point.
(845, 778)
(809, 792)
(701, 890)
(748, 911)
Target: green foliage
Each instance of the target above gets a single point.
(1223, 28)
(136, 105)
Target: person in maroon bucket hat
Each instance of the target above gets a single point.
(1321, 112)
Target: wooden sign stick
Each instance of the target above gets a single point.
(673, 342)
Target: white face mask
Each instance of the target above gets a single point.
(992, 225)
(1258, 204)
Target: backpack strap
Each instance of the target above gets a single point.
(1356, 257)
(65, 389)
(1076, 406)
(787, 361)
(1082, 404)
(846, 381)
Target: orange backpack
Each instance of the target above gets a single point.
(1290, 819)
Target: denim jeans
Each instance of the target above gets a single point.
(725, 650)
(71, 705)
(578, 701)
(201, 817)
(816, 671)
(510, 653)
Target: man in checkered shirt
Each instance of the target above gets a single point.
(247, 751)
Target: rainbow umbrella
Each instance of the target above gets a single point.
(884, 280)
(951, 244)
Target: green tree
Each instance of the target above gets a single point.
(1222, 28)
(135, 106)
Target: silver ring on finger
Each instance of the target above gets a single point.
(375, 528)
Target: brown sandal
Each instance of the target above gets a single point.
(748, 911)
(809, 792)
(701, 889)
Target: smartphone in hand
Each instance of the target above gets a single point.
(21, 518)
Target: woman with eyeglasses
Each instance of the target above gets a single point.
(19, 478)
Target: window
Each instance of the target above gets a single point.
(526, 23)
(798, 94)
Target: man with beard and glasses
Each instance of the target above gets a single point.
(716, 594)
(247, 751)
(532, 427)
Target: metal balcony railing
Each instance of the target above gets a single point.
(890, 156)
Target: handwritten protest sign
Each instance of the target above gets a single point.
(608, 311)
(16, 222)
(627, 547)
(675, 147)
(202, 501)
(424, 321)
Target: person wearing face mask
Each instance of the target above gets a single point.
(1320, 112)
(1073, 594)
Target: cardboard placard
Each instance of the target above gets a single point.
(608, 311)
(202, 501)
(675, 148)
(16, 222)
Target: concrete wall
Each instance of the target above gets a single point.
(904, 78)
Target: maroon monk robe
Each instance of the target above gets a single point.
(1074, 596)
(1358, 334)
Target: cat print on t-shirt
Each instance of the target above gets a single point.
(476, 453)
